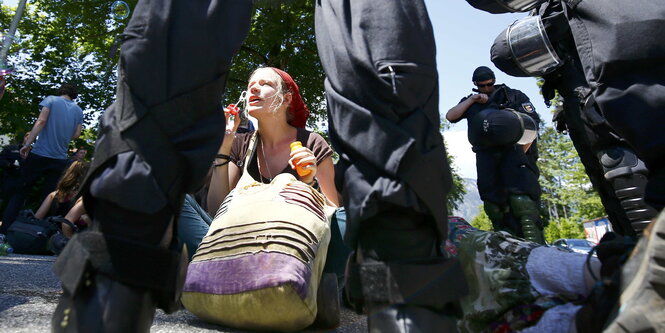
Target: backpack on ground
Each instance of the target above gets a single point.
(29, 235)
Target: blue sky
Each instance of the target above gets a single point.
(464, 36)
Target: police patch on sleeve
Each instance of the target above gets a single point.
(528, 107)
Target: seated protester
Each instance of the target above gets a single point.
(60, 201)
(273, 98)
(193, 224)
(516, 285)
(77, 215)
(263, 216)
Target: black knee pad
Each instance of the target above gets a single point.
(628, 176)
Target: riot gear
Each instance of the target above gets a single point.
(621, 58)
(492, 127)
(589, 128)
(392, 170)
(628, 175)
(526, 46)
(114, 276)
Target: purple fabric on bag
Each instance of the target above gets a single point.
(251, 272)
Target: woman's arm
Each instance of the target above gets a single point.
(46, 206)
(225, 174)
(325, 175)
(74, 214)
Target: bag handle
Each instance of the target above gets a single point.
(61, 220)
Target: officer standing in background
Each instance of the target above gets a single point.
(507, 172)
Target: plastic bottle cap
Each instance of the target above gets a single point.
(295, 145)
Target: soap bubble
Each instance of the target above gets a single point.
(120, 10)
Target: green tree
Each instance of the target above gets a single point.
(568, 196)
(482, 221)
(564, 228)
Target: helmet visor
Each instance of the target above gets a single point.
(529, 127)
(531, 49)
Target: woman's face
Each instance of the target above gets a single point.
(263, 92)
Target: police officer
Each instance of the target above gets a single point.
(507, 171)
(156, 142)
(382, 95)
(615, 170)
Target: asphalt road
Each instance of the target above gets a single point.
(29, 293)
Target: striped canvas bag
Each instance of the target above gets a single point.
(260, 263)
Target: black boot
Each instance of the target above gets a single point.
(409, 319)
(104, 305)
(398, 277)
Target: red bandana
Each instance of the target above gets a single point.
(298, 109)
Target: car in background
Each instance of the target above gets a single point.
(577, 245)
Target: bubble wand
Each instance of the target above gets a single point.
(234, 109)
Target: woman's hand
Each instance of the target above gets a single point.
(303, 157)
(229, 110)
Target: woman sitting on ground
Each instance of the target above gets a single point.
(63, 201)
(274, 100)
(60, 201)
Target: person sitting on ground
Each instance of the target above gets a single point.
(60, 201)
(273, 98)
(517, 285)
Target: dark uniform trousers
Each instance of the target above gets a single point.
(625, 67)
(382, 95)
(622, 194)
(156, 142)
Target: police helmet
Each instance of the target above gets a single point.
(524, 49)
(493, 127)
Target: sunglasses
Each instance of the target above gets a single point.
(484, 85)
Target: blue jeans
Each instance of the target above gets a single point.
(338, 251)
(193, 225)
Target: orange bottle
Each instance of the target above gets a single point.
(300, 168)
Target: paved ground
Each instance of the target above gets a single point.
(29, 293)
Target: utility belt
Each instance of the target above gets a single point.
(159, 270)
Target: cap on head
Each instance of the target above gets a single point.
(482, 73)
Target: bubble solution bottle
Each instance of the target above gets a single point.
(300, 169)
